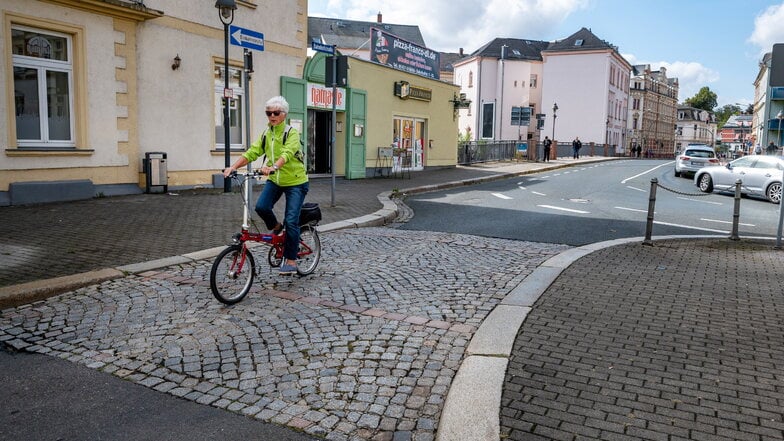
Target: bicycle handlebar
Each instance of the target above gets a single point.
(252, 174)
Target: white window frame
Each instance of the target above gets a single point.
(43, 66)
(238, 91)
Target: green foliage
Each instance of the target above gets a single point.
(725, 112)
(705, 99)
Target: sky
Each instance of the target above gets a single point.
(714, 43)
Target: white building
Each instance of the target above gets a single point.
(694, 126)
(588, 79)
(92, 86)
(502, 74)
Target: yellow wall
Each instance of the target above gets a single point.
(383, 106)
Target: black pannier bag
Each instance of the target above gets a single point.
(310, 213)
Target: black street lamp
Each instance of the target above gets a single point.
(779, 116)
(226, 9)
(555, 109)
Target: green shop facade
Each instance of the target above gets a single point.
(387, 120)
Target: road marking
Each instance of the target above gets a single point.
(727, 222)
(501, 196)
(522, 188)
(647, 171)
(690, 227)
(538, 194)
(699, 200)
(633, 209)
(564, 209)
(635, 188)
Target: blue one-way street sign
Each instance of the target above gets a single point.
(321, 47)
(246, 38)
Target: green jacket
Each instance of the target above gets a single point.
(293, 171)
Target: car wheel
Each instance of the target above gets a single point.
(705, 183)
(773, 192)
(677, 173)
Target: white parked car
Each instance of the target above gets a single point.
(693, 158)
(760, 175)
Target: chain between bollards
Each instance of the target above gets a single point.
(736, 212)
(651, 207)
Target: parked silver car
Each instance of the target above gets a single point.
(760, 175)
(693, 158)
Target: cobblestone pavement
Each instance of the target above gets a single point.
(364, 349)
(681, 340)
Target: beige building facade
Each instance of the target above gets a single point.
(90, 87)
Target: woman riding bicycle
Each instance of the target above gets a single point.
(286, 174)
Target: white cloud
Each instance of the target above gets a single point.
(692, 76)
(768, 29)
(448, 25)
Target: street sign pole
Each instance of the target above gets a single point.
(334, 121)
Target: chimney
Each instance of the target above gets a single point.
(378, 17)
(461, 51)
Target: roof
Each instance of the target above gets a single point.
(355, 34)
(448, 60)
(517, 49)
(582, 40)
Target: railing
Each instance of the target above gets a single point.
(474, 152)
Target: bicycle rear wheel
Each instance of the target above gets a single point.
(309, 250)
(232, 274)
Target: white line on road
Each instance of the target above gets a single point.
(690, 227)
(564, 209)
(522, 188)
(727, 222)
(633, 209)
(647, 171)
(538, 194)
(635, 188)
(500, 196)
(700, 200)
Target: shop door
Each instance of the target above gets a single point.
(409, 140)
(355, 136)
(319, 134)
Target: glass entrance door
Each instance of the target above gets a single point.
(409, 138)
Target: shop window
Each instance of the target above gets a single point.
(43, 84)
(236, 112)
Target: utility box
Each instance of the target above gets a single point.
(156, 171)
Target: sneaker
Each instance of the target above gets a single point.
(287, 270)
(277, 230)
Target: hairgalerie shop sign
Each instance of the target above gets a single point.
(321, 97)
(400, 54)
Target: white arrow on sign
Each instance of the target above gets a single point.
(243, 38)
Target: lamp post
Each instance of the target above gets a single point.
(555, 109)
(779, 116)
(226, 9)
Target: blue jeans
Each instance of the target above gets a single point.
(295, 196)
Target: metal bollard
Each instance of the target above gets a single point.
(651, 207)
(736, 211)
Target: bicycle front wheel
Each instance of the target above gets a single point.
(309, 250)
(232, 274)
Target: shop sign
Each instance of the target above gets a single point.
(405, 90)
(403, 55)
(321, 97)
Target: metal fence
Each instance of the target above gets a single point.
(473, 152)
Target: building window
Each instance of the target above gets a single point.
(43, 88)
(235, 107)
(488, 118)
(533, 81)
(636, 104)
(470, 79)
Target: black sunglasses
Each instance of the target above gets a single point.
(274, 112)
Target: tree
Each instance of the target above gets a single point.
(725, 112)
(705, 99)
(749, 109)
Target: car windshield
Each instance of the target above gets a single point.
(699, 153)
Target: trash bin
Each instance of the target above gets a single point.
(156, 171)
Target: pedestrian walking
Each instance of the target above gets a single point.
(576, 145)
(771, 148)
(286, 175)
(547, 146)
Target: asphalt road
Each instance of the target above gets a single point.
(587, 204)
(46, 398)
